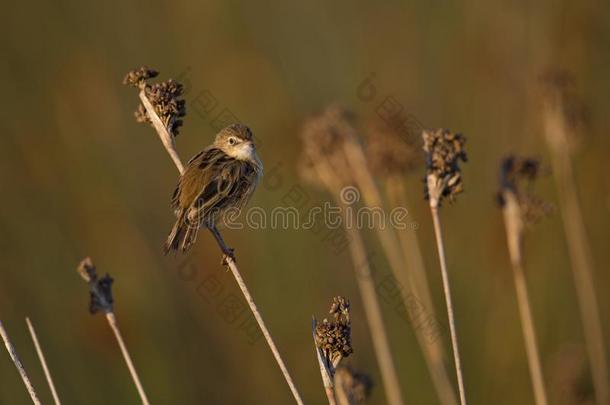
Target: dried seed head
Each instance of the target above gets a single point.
(351, 386)
(323, 137)
(138, 77)
(444, 150)
(334, 337)
(517, 176)
(164, 97)
(564, 113)
(100, 289)
(390, 149)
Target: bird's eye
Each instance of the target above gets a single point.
(232, 141)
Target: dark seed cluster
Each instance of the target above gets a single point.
(353, 385)
(391, 149)
(100, 289)
(444, 151)
(517, 175)
(164, 96)
(334, 337)
(323, 137)
(138, 77)
(559, 88)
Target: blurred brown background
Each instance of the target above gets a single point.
(78, 176)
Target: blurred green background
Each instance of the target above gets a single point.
(78, 176)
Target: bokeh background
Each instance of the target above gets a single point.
(78, 177)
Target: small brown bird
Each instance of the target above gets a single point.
(222, 176)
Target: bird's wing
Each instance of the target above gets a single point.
(198, 173)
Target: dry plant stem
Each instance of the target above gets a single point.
(168, 142)
(412, 278)
(330, 395)
(514, 232)
(264, 330)
(579, 252)
(529, 335)
(13, 353)
(43, 362)
(447, 291)
(366, 285)
(132, 370)
(433, 350)
(166, 138)
(324, 371)
(374, 317)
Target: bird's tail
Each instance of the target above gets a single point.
(183, 233)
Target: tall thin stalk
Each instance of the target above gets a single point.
(513, 223)
(165, 134)
(559, 137)
(43, 361)
(448, 301)
(15, 358)
(432, 347)
(407, 270)
(444, 150)
(366, 286)
(111, 318)
(373, 316)
(101, 300)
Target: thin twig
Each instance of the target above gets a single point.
(168, 143)
(261, 324)
(447, 291)
(43, 361)
(132, 370)
(101, 300)
(513, 224)
(13, 353)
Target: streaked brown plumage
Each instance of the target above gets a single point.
(224, 175)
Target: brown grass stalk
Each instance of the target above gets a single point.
(101, 300)
(43, 362)
(558, 134)
(325, 372)
(366, 286)
(168, 143)
(407, 267)
(15, 358)
(447, 291)
(514, 236)
(433, 350)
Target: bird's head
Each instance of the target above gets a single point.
(236, 141)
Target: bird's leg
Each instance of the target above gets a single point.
(226, 250)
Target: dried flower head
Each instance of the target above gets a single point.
(323, 137)
(334, 337)
(351, 386)
(392, 148)
(565, 111)
(517, 175)
(138, 77)
(444, 150)
(164, 97)
(100, 289)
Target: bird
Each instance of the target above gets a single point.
(222, 176)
